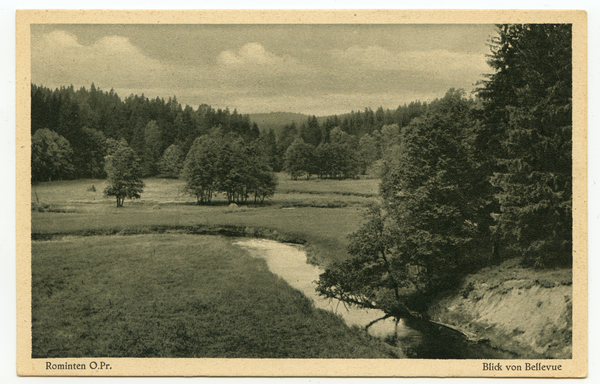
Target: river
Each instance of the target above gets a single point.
(417, 339)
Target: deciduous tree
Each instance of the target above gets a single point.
(171, 162)
(123, 173)
(299, 159)
(201, 169)
(413, 245)
(51, 156)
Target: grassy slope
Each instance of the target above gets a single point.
(174, 296)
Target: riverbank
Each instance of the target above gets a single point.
(520, 310)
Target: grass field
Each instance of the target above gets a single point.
(182, 295)
(86, 195)
(314, 211)
(175, 296)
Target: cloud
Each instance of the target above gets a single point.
(252, 78)
(61, 39)
(253, 57)
(59, 59)
(252, 53)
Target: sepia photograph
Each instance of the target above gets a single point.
(302, 193)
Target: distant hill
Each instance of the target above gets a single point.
(277, 120)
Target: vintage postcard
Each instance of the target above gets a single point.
(302, 193)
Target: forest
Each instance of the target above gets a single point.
(466, 180)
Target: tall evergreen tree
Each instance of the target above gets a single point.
(528, 111)
(311, 132)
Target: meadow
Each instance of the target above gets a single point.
(318, 213)
(161, 292)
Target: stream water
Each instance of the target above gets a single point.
(418, 339)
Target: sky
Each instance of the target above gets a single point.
(312, 69)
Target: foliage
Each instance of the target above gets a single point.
(337, 160)
(299, 159)
(311, 132)
(89, 154)
(51, 156)
(171, 162)
(227, 164)
(411, 246)
(151, 149)
(262, 181)
(528, 110)
(390, 135)
(148, 125)
(112, 145)
(264, 186)
(369, 149)
(271, 150)
(200, 170)
(123, 173)
(235, 170)
(375, 277)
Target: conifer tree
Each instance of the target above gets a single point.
(528, 106)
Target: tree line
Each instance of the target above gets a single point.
(86, 118)
(226, 163)
(471, 182)
(337, 146)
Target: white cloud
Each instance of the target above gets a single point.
(61, 39)
(253, 57)
(116, 44)
(59, 59)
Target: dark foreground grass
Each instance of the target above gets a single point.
(175, 296)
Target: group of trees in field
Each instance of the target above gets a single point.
(228, 164)
(216, 162)
(471, 181)
(342, 156)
